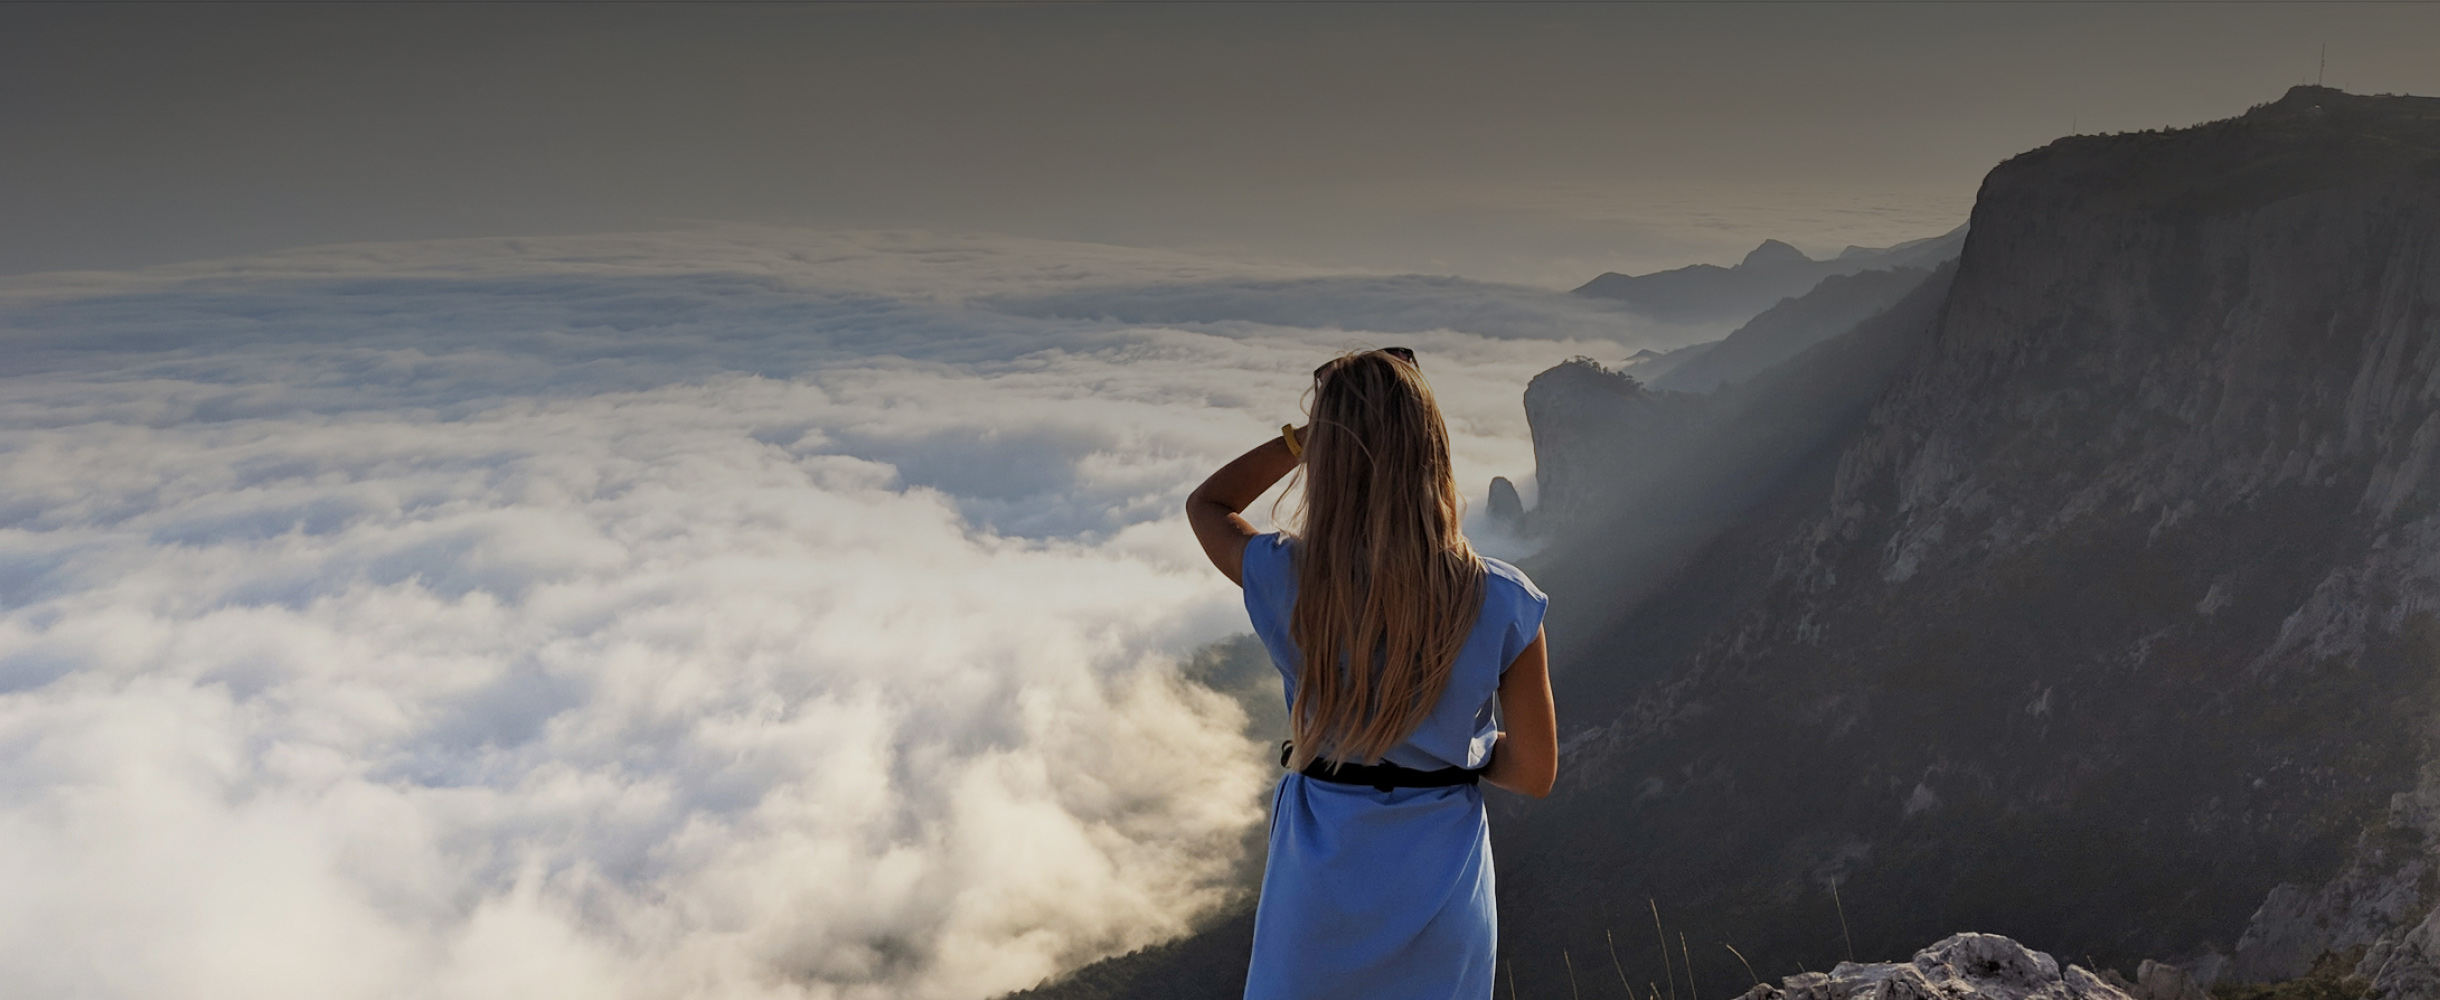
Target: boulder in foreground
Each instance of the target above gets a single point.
(1959, 967)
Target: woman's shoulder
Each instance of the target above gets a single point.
(1509, 595)
(1502, 577)
(1513, 605)
(1269, 559)
(1272, 545)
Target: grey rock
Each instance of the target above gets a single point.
(1959, 967)
(2408, 964)
(1507, 509)
(2374, 920)
(2162, 981)
(1594, 431)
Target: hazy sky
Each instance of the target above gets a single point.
(1520, 141)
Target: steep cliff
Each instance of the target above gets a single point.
(1602, 429)
(2114, 613)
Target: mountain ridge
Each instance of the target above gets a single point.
(1772, 271)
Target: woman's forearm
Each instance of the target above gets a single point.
(1515, 769)
(1526, 758)
(1236, 485)
(1215, 508)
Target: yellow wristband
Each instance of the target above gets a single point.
(1287, 432)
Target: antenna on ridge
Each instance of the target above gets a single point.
(2323, 69)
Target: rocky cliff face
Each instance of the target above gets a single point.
(2234, 371)
(1601, 429)
(2115, 614)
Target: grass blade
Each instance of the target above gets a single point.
(1666, 972)
(1688, 961)
(1749, 966)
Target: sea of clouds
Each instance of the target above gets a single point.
(727, 612)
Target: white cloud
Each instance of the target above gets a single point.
(731, 612)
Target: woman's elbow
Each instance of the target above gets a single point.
(1201, 507)
(1533, 785)
(1546, 776)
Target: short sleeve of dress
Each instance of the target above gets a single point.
(1511, 597)
(1268, 574)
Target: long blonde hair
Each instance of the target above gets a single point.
(1383, 566)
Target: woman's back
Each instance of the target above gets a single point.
(1460, 729)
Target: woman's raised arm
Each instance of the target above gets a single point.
(1215, 508)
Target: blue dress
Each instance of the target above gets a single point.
(1373, 895)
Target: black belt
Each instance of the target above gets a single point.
(1385, 775)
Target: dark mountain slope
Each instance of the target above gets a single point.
(1784, 330)
(2113, 614)
(1641, 494)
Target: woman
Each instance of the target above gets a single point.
(1379, 880)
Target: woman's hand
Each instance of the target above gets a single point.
(1214, 508)
(1526, 758)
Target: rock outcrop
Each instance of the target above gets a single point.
(1599, 428)
(1506, 508)
(1958, 967)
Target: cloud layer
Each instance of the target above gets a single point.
(730, 612)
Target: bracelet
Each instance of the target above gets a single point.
(1296, 449)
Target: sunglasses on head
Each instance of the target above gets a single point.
(1406, 354)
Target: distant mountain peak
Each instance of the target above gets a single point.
(1774, 252)
(2304, 94)
(1708, 293)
